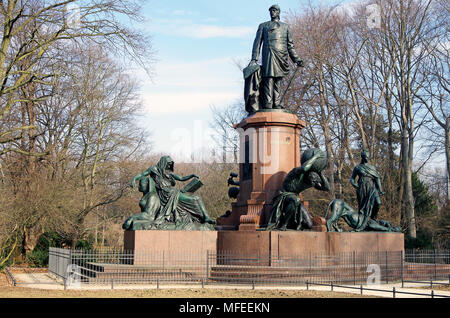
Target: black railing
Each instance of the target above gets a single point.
(352, 268)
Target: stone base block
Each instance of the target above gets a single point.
(319, 228)
(248, 227)
(144, 243)
(279, 244)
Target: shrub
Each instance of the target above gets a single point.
(39, 256)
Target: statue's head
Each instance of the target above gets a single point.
(320, 162)
(314, 178)
(166, 163)
(274, 11)
(365, 155)
(170, 165)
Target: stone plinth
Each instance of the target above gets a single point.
(285, 244)
(270, 148)
(174, 246)
(143, 243)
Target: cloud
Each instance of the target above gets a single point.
(214, 31)
(188, 87)
(182, 12)
(210, 19)
(186, 102)
(188, 28)
(203, 74)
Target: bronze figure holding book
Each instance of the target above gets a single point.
(165, 207)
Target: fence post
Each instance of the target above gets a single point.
(307, 285)
(56, 263)
(435, 264)
(310, 266)
(207, 265)
(387, 269)
(11, 277)
(354, 267)
(361, 289)
(401, 267)
(393, 292)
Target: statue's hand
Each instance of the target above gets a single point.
(252, 62)
(382, 193)
(300, 63)
(195, 176)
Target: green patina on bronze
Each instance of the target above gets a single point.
(164, 207)
(287, 212)
(263, 83)
(368, 192)
(338, 208)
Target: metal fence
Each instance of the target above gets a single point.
(59, 260)
(10, 277)
(144, 267)
(349, 268)
(127, 267)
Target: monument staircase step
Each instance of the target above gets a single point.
(286, 274)
(124, 272)
(341, 273)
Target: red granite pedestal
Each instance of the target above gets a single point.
(288, 244)
(145, 244)
(270, 148)
(270, 245)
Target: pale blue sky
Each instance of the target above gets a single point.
(197, 45)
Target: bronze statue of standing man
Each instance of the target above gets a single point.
(277, 45)
(368, 189)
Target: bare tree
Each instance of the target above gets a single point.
(436, 88)
(105, 131)
(40, 118)
(227, 138)
(31, 32)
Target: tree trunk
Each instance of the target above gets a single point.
(408, 198)
(30, 238)
(330, 162)
(447, 155)
(391, 177)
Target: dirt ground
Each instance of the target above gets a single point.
(20, 292)
(9, 291)
(437, 287)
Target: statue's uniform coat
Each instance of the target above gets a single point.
(277, 45)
